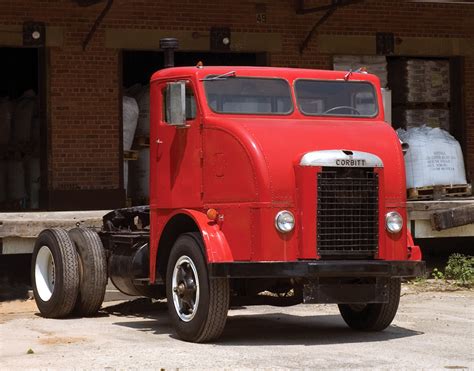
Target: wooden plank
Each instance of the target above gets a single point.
(423, 229)
(17, 245)
(142, 141)
(30, 224)
(456, 217)
(421, 209)
(436, 205)
(439, 192)
(130, 155)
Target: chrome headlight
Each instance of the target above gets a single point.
(393, 222)
(284, 221)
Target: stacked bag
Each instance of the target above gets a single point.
(427, 80)
(19, 151)
(136, 115)
(433, 158)
(435, 118)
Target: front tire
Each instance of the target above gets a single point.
(55, 273)
(197, 305)
(373, 317)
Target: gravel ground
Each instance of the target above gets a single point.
(432, 330)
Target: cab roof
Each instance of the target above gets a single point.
(275, 72)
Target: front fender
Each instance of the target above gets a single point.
(217, 248)
(414, 251)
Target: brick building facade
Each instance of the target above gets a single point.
(82, 130)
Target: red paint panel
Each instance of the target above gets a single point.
(237, 228)
(175, 165)
(307, 208)
(272, 245)
(228, 174)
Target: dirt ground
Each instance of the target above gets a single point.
(432, 330)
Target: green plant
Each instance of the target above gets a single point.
(461, 269)
(437, 274)
(419, 280)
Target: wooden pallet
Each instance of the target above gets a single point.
(439, 192)
(142, 141)
(130, 155)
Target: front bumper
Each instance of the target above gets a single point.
(319, 268)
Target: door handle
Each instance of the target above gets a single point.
(159, 141)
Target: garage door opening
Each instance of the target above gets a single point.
(20, 141)
(137, 68)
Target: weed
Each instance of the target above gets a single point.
(461, 269)
(437, 274)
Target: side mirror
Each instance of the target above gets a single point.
(405, 148)
(176, 103)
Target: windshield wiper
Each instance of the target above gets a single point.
(220, 77)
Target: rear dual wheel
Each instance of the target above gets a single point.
(55, 273)
(69, 272)
(92, 271)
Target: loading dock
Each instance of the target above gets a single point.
(22, 128)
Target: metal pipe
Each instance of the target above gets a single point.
(169, 45)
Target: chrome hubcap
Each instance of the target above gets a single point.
(185, 286)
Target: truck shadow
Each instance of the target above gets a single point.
(288, 329)
(260, 329)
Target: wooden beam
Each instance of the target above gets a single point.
(423, 209)
(456, 217)
(30, 224)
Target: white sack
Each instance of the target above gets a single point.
(35, 131)
(143, 100)
(141, 175)
(23, 117)
(134, 91)
(3, 181)
(434, 157)
(16, 189)
(125, 177)
(34, 181)
(5, 120)
(130, 118)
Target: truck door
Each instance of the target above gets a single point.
(175, 174)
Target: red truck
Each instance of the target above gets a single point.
(268, 185)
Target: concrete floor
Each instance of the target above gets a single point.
(432, 330)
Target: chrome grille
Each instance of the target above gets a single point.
(347, 212)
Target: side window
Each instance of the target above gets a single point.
(190, 104)
(191, 109)
(365, 103)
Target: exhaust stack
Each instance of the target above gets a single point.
(169, 45)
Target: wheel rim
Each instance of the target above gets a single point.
(185, 286)
(45, 273)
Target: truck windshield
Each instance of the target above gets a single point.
(336, 98)
(246, 95)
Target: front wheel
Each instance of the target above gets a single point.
(373, 317)
(197, 305)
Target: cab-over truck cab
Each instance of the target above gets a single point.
(267, 186)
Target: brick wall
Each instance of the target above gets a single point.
(84, 86)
